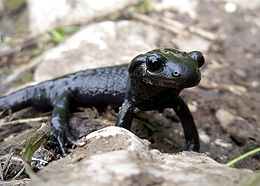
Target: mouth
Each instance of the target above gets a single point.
(175, 82)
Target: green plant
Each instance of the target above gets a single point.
(144, 6)
(232, 162)
(60, 33)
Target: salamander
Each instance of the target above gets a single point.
(152, 81)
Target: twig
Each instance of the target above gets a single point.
(27, 43)
(192, 29)
(169, 141)
(7, 163)
(10, 114)
(23, 68)
(173, 26)
(154, 22)
(203, 33)
(1, 172)
(25, 121)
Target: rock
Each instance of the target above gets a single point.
(235, 126)
(205, 138)
(20, 182)
(236, 89)
(222, 143)
(115, 156)
(230, 7)
(183, 7)
(193, 107)
(2, 7)
(47, 14)
(103, 44)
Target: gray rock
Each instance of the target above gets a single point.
(115, 156)
(103, 44)
(2, 7)
(183, 7)
(236, 126)
(47, 14)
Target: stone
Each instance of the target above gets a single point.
(183, 7)
(115, 156)
(230, 7)
(102, 44)
(2, 7)
(236, 127)
(48, 14)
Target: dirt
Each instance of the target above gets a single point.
(230, 81)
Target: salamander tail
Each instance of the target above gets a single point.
(16, 100)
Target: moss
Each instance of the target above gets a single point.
(21, 26)
(25, 79)
(14, 4)
(144, 6)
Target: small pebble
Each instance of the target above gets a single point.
(222, 143)
(230, 7)
(255, 84)
(204, 137)
(81, 143)
(192, 108)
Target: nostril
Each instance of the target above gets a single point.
(175, 73)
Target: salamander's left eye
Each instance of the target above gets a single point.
(155, 62)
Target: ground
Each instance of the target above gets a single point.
(230, 82)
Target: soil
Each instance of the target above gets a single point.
(230, 81)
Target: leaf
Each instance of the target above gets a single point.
(35, 142)
(58, 34)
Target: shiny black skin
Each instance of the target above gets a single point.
(152, 81)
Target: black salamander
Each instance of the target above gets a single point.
(151, 81)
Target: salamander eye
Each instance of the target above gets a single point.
(155, 62)
(198, 57)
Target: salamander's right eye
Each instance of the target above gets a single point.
(198, 57)
(155, 62)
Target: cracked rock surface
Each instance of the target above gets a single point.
(115, 156)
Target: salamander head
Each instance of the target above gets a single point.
(167, 68)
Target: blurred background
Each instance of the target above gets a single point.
(40, 40)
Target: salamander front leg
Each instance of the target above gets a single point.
(125, 115)
(59, 123)
(189, 127)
